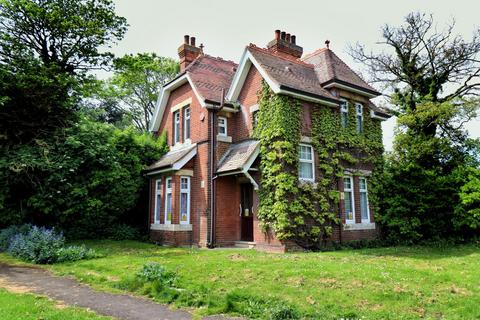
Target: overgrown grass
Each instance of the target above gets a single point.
(14, 306)
(381, 283)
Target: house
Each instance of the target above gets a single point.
(204, 190)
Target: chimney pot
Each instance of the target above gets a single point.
(293, 39)
(327, 43)
(282, 35)
(186, 39)
(277, 34)
(192, 41)
(287, 37)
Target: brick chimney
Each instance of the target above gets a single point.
(284, 44)
(187, 52)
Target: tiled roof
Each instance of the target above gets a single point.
(292, 73)
(329, 67)
(170, 158)
(237, 156)
(210, 75)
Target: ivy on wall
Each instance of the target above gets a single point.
(306, 212)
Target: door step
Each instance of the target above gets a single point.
(245, 244)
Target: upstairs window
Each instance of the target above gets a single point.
(306, 163)
(184, 200)
(168, 201)
(222, 126)
(186, 123)
(359, 113)
(344, 113)
(364, 209)
(348, 202)
(176, 127)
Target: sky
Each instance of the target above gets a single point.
(226, 27)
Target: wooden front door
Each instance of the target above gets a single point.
(246, 213)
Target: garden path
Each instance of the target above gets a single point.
(70, 292)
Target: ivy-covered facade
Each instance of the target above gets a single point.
(288, 159)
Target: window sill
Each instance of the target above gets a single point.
(359, 226)
(224, 138)
(171, 227)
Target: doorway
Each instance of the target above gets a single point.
(246, 212)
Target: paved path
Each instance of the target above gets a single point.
(70, 292)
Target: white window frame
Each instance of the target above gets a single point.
(158, 199)
(185, 120)
(312, 162)
(187, 191)
(167, 192)
(344, 111)
(224, 125)
(176, 127)
(359, 113)
(351, 190)
(365, 190)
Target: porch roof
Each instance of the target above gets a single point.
(173, 160)
(239, 157)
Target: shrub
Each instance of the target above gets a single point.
(39, 245)
(123, 232)
(7, 234)
(154, 272)
(74, 253)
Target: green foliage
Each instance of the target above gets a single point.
(7, 234)
(467, 211)
(154, 272)
(75, 253)
(83, 180)
(306, 212)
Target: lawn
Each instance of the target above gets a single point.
(14, 306)
(384, 283)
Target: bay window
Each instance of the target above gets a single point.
(306, 163)
(349, 204)
(168, 201)
(184, 200)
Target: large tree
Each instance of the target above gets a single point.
(432, 80)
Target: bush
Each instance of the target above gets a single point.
(123, 232)
(39, 245)
(74, 253)
(7, 234)
(154, 272)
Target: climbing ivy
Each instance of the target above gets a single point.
(306, 212)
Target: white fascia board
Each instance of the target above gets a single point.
(180, 163)
(374, 116)
(165, 94)
(351, 89)
(239, 78)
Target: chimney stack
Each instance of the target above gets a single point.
(188, 52)
(284, 44)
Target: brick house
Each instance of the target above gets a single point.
(203, 191)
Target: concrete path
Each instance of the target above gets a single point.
(70, 292)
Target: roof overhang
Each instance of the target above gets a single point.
(246, 61)
(244, 168)
(350, 87)
(176, 165)
(165, 94)
(379, 116)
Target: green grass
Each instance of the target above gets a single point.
(14, 306)
(384, 283)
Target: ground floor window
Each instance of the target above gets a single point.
(364, 209)
(168, 201)
(184, 200)
(158, 200)
(349, 204)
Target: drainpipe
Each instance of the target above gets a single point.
(213, 167)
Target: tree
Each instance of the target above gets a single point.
(432, 78)
(136, 84)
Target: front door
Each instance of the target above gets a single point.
(246, 214)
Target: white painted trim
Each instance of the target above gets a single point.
(312, 162)
(254, 183)
(360, 191)
(167, 192)
(225, 125)
(359, 226)
(188, 191)
(187, 107)
(351, 89)
(171, 227)
(181, 105)
(374, 116)
(306, 139)
(352, 190)
(254, 108)
(359, 114)
(156, 211)
(197, 94)
(180, 163)
(224, 138)
(176, 126)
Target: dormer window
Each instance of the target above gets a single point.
(222, 126)
(176, 127)
(344, 113)
(186, 123)
(359, 115)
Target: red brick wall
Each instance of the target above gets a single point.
(177, 238)
(227, 214)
